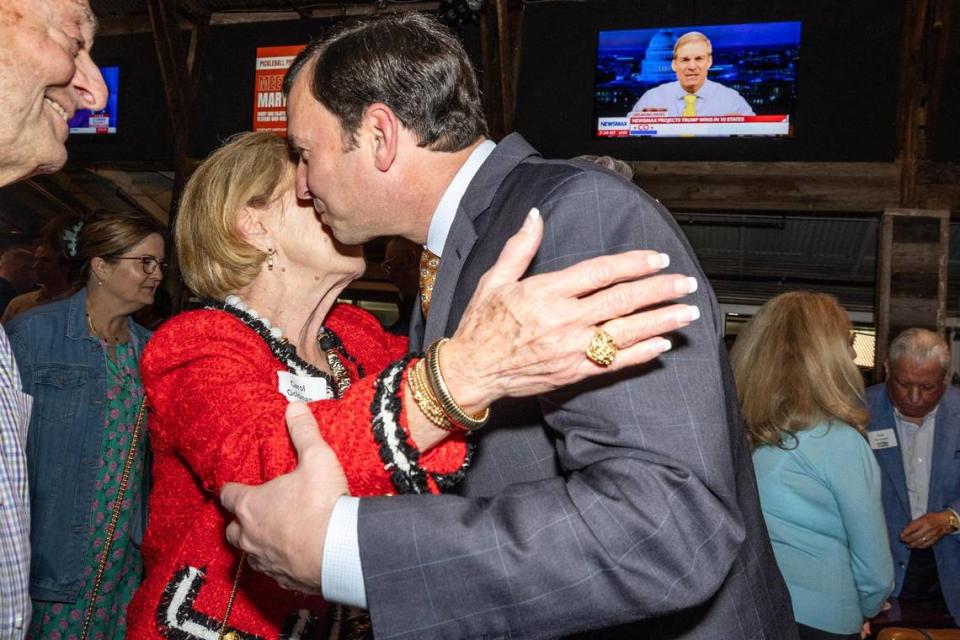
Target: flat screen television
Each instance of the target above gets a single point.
(102, 122)
(726, 80)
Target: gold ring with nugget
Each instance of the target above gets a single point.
(602, 349)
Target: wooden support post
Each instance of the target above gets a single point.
(179, 89)
(913, 243)
(490, 74)
(922, 62)
(499, 48)
(912, 274)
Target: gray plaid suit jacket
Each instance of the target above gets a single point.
(625, 507)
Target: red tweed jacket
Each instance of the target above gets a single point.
(217, 416)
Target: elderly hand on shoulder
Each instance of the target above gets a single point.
(530, 336)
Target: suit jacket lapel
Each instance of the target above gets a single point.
(891, 459)
(945, 446)
(463, 235)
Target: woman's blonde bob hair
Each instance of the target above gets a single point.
(249, 170)
(793, 368)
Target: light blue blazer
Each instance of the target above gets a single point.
(944, 488)
(821, 503)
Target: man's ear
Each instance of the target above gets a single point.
(886, 368)
(252, 230)
(384, 128)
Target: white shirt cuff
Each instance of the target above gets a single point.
(342, 575)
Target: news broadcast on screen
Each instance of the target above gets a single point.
(735, 80)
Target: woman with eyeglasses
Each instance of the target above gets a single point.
(87, 444)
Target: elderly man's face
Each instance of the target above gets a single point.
(691, 64)
(915, 387)
(46, 74)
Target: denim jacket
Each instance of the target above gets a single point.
(64, 368)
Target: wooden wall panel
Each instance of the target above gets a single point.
(855, 187)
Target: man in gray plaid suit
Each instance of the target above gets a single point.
(623, 507)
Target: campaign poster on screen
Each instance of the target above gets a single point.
(103, 121)
(269, 103)
(728, 80)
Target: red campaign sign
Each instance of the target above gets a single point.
(269, 104)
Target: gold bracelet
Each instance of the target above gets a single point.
(453, 411)
(425, 399)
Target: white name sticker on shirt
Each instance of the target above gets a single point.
(883, 439)
(302, 388)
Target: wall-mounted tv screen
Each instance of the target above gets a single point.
(105, 121)
(697, 81)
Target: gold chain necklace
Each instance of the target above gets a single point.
(97, 334)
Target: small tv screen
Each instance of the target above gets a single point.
(726, 80)
(104, 121)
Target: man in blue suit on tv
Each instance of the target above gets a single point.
(915, 434)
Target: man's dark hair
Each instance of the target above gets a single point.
(410, 63)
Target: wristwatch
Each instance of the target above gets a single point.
(953, 520)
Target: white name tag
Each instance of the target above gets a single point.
(302, 388)
(883, 439)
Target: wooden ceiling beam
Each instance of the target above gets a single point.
(334, 11)
(140, 23)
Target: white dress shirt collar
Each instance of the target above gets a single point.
(446, 209)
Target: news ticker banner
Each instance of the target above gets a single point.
(643, 125)
(98, 123)
(269, 104)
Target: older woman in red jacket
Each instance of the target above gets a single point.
(219, 379)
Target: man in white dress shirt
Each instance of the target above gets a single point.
(621, 508)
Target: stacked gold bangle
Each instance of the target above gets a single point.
(453, 411)
(425, 399)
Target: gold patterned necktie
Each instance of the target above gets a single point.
(429, 263)
(690, 107)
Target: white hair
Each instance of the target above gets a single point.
(921, 345)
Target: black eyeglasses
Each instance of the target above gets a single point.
(149, 264)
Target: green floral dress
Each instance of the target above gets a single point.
(124, 568)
